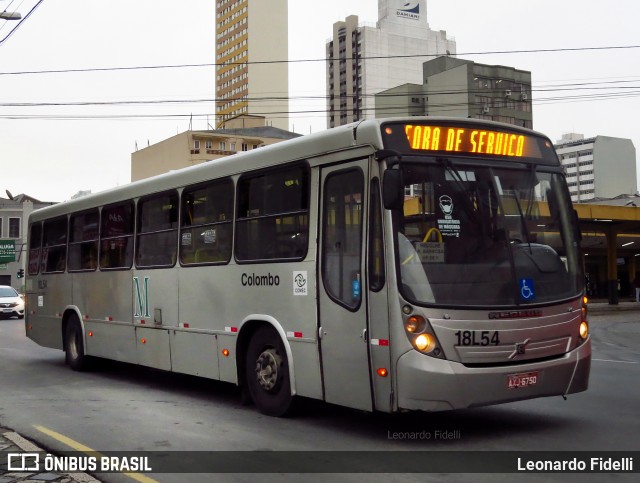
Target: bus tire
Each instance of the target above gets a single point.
(75, 357)
(267, 373)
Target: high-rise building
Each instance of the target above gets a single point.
(462, 88)
(250, 36)
(364, 60)
(597, 167)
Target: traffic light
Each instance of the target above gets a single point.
(21, 273)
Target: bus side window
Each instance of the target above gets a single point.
(157, 231)
(35, 242)
(342, 236)
(54, 242)
(376, 241)
(83, 241)
(206, 226)
(273, 215)
(116, 236)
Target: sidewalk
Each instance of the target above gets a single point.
(602, 306)
(11, 442)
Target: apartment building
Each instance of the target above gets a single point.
(194, 147)
(250, 36)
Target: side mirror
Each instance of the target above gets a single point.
(393, 189)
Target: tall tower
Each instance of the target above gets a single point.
(250, 36)
(362, 61)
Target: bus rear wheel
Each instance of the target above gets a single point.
(74, 346)
(267, 373)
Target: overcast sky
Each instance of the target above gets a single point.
(47, 154)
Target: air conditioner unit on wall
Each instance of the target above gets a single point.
(486, 109)
(507, 93)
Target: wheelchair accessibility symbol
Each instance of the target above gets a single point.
(527, 292)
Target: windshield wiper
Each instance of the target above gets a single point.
(523, 221)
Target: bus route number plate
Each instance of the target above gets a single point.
(515, 381)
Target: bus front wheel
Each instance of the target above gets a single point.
(267, 373)
(74, 346)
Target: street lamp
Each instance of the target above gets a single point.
(10, 15)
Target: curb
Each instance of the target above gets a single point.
(10, 441)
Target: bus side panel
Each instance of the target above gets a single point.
(110, 341)
(45, 331)
(45, 306)
(204, 305)
(153, 347)
(103, 296)
(194, 353)
(105, 303)
(379, 348)
(228, 367)
(305, 355)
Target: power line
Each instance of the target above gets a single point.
(21, 22)
(572, 87)
(297, 61)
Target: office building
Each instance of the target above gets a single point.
(250, 36)
(462, 88)
(598, 167)
(364, 60)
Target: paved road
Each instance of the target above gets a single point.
(123, 407)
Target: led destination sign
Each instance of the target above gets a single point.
(461, 140)
(467, 138)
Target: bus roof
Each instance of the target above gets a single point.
(361, 133)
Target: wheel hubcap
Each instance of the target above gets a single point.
(267, 367)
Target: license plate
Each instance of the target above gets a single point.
(7, 310)
(514, 381)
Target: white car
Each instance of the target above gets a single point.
(11, 302)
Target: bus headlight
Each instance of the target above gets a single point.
(425, 343)
(584, 330)
(420, 334)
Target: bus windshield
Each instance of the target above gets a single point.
(477, 235)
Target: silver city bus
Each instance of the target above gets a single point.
(388, 265)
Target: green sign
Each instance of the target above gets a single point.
(7, 251)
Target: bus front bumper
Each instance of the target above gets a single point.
(429, 384)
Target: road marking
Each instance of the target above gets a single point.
(610, 360)
(91, 452)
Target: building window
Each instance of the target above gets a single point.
(233, 146)
(196, 144)
(208, 144)
(223, 145)
(245, 147)
(14, 227)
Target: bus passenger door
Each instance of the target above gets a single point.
(341, 291)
